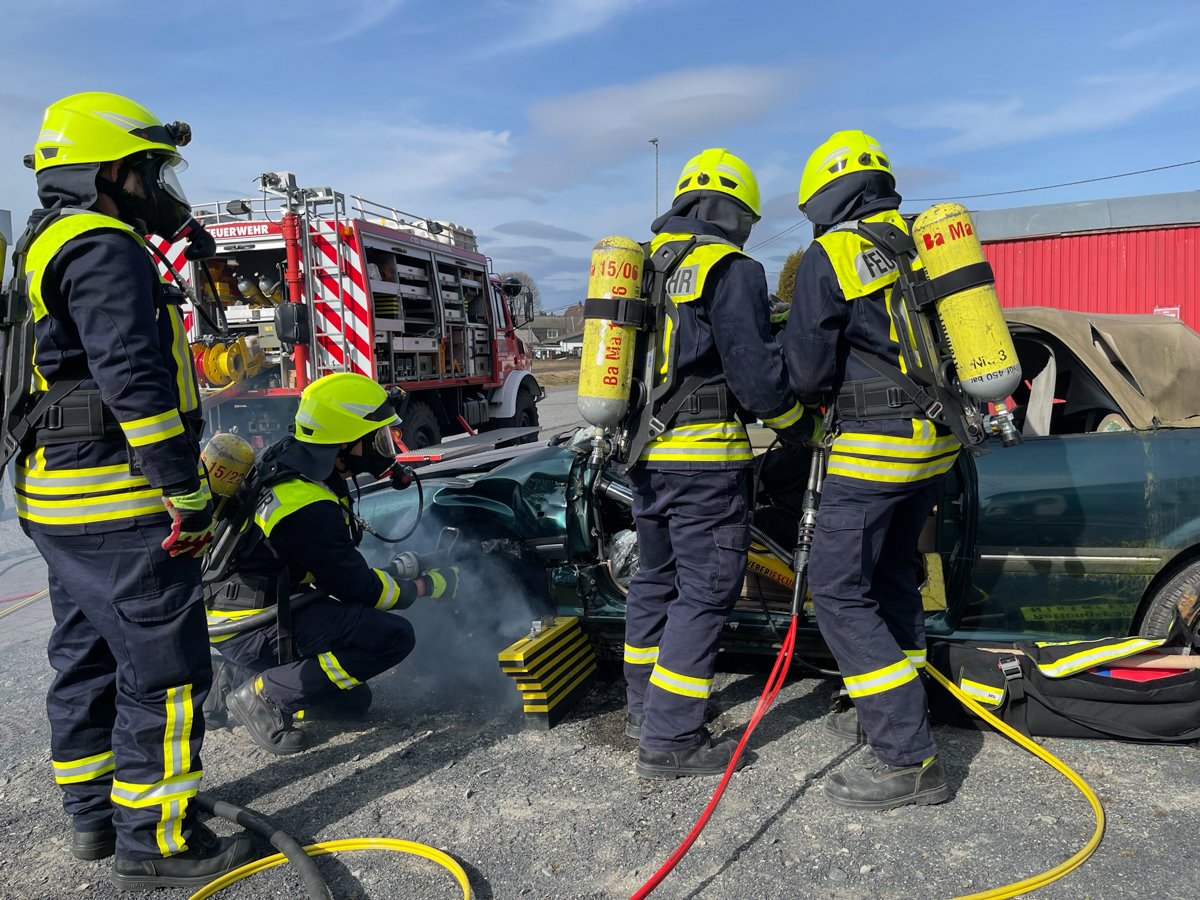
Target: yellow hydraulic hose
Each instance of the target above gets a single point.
(1037, 881)
(326, 847)
(23, 603)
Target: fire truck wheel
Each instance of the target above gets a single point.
(524, 416)
(420, 428)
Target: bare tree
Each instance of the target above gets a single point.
(530, 285)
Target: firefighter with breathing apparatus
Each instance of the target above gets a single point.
(861, 335)
(290, 533)
(689, 457)
(101, 413)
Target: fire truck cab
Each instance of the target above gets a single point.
(309, 281)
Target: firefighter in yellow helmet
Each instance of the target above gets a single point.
(885, 467)
(300, 536)
(102, 415)
(691, 486)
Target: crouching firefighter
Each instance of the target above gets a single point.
(101, 413)
(690, 458)
(291, 533)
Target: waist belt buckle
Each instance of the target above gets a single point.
(655, 427)
(896, 398)
(52, 418)
(1010, 667)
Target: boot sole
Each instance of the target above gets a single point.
(152, 882)
(633, 731)
(921, 798)
(652, 770)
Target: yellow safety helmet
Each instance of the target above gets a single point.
(720, 170)
(843, 153)
(98, 128)
(342, 408)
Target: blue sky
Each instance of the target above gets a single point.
(528, 120)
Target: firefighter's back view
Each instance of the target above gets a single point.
(103, 418)
(690, 483)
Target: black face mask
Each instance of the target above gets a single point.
(160, 211)
(371, 461)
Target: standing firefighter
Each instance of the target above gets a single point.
(691, 493)
(102, 415)
(303, 536)
(885, 468)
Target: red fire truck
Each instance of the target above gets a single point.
(309, 281)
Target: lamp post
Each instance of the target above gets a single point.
(654, 141)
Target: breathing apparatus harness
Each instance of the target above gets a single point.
(928, 386)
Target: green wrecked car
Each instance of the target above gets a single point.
(1089, 528)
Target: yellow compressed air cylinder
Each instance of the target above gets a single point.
(606, 368)
(227, 458)
(984, 357)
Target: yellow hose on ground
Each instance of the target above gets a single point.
(23, 603)
(327, 847)
(1041, 880)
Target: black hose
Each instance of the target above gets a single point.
(256, 823)
(266, 617)
(804, 664)
(366, 526)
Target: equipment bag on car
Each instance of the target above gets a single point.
(1074, 688)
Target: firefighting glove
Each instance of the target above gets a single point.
(817, 438)
(441, 584)
(402, 477)
(191, 523)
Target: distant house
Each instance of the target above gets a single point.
(554, 336)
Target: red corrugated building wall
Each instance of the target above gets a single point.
(1129, 271)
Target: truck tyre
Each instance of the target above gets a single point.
(1179, 595)
(420, 427)
(525, 415)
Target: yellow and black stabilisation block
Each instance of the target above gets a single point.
(553, 668)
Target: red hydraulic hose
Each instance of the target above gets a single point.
(774, 683)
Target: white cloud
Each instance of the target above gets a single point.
(1165, 29)
(1100, 103)
(551, 21)
(368, 14)
(578, 137)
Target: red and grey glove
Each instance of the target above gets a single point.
(191, 523)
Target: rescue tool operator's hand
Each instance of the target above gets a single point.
(191, 523)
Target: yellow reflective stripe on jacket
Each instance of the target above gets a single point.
(984, 693)
(185, 367)
(336, 672)
(83, 510)
(152, 429)
(683, 685)
(861, 268)
(87, 769)
(880, 680)
(787, 419)
(60, 232)
(640, 656)
(916, 657)
(390, 592)
(286, 498)
(876, 457)
(1086, 659)
(702, 442)
(95, 480)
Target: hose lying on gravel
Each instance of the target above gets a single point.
(301, 857)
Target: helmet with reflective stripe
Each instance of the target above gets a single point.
(341, 408)
(720, 170)
(98, 128)
(845, 152)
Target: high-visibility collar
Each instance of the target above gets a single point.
(279, 501)
(687, 281)
(861, 268)
(68, 226)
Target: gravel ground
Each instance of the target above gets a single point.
(443, 759)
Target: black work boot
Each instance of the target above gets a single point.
(709, 757)
(206, 858)
(269, 726)
(846, 726)
(877, 785)
(633, 725)
(99, 844)
(344, 706)
(216, 713)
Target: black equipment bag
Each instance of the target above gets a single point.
(1073, 702)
